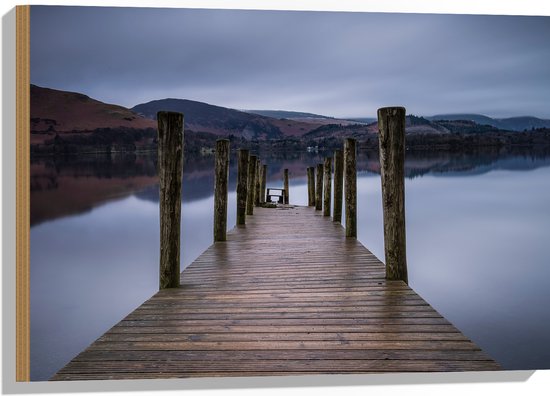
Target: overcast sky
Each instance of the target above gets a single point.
(336, 64)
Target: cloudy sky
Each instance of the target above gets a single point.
(337, 64)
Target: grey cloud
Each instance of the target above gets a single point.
(341, 64)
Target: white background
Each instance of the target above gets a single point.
(412, 384)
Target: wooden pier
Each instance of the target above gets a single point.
(285, 294)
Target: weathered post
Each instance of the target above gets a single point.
(338, 186)
(391, 125)
(170, 168)
(350, 187)
(242, 180)
(285, 186)
(251, 184)
(319, 188)
(263, 184)
(327, 184)
(311, 186)
(220, 189)
(258, 183)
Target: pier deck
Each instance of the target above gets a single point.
(286, 294)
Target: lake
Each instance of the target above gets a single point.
(477, 242)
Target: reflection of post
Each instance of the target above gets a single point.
(319, 188)
(311, 186)
(251, 184)
(264, 184)
(391, 125)
(258, 183)
(350, 187)
(338, 185)
(220, 189)
(242, 180)
(170, 165)
(285, 186)
(327, 183)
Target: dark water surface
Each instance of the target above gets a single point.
(478, 248)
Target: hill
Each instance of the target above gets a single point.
(61, 111)
(511, 124)
(204, 117)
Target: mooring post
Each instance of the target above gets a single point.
(263, 184)
(391, 126)
(327, 186)
(350, 187)
(220, 189)
(319, 188)
(242, 180)
(170, 168)
(338, 185)
(251, 185)
(285, 186)
(311, 186)
(258, 183)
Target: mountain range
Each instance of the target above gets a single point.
(74, 118)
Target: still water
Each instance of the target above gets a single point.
(477, 242)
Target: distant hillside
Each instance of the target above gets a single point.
(286, 114)
(510, 124)
(203, 117)
(61, 111)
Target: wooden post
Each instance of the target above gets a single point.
(170, 168)
(263, 184)
(350, 187)
(258, 183)
(311, 186)
(319, 188)
(251, 184)
(391, 125)
(242, 180)
(220, 189)
(327, 184)
(285, 186)
(338, 185)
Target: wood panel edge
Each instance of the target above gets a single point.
(22, 371)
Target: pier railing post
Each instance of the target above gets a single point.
(391, 125)
(258, 183)
(285, 186)
(170, 168)
(251, 184)
(350, 187)
(242, 180)
(311, 186)
(220, 189)
(319, 188)
(327, 186)
(338, 185)
(263, 184)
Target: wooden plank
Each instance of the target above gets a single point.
(306, 300)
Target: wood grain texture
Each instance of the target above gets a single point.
(319, 187)
(311, 186)
(170, 168)
(286, 187)
(263, 187)
(221, 178)
(250, 199)
(391, 125)
(242, 185)
(327, 186)
(350, 186)
(338, 186)
(279, 300)
(22, 251)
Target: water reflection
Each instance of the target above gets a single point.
(477, 225)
